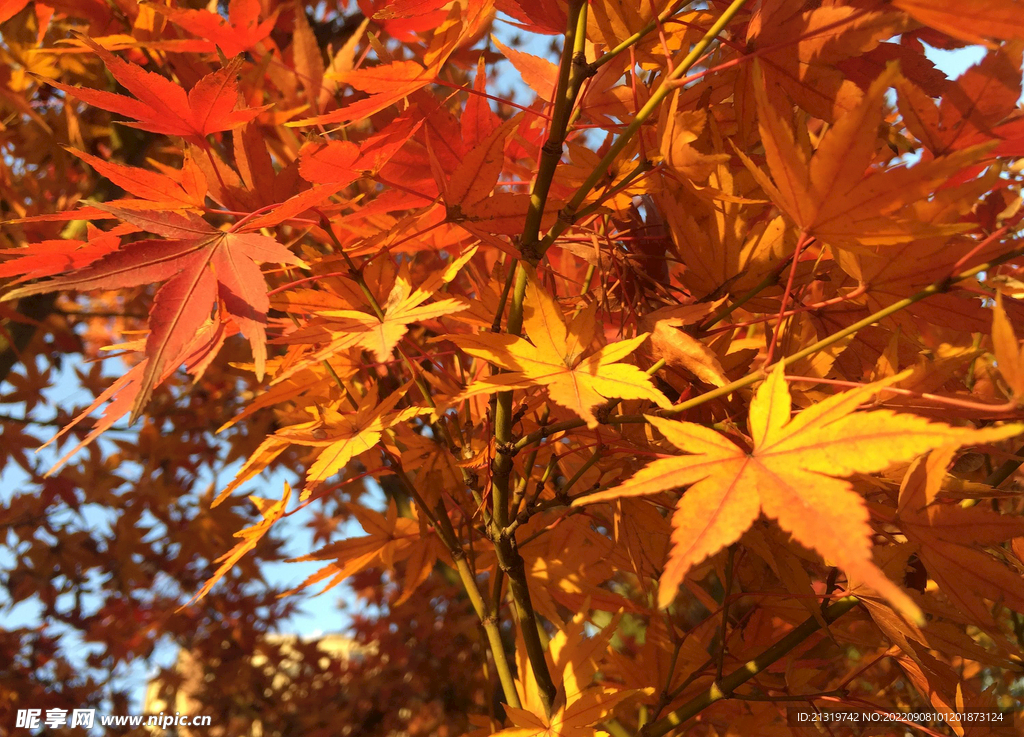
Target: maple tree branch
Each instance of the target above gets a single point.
(509, 559)
(488, 616)
(724, 688)
(569, 80)
(511, 563)
(568, 214)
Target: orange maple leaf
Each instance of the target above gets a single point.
(556, 359)
(829, 195)
(949, 538)
(791, 475)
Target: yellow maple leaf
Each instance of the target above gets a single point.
(581, 703)
(342, 435)
(554, 357)
(379, 334)
(790, 475)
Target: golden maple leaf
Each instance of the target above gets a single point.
(554, 357)
(390, 539)
(342, 435)
(829, 195)
(581, 703)
(790, 475)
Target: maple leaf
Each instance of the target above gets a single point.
(240, 32)
(539, 74)
(379, 334)
(554, 358)
(801, 50)
(390, 539)
(679, 349)
(974, 23)
(341, 435)
(970, 109)
(790, 474)
(55, 257)
(829, 196)
(478, 120)
(538, 17)
(384, 84)
(1009, 357)
(200, 266)
(10, 8)
(949, 539)
(271, 511)
(478, 172)
(186, 189)
(164, 107)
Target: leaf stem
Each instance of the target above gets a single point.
(488, 616)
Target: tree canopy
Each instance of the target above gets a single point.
(663, 356)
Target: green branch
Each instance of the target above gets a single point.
(724, 688)
(569, 212)
(509, 559)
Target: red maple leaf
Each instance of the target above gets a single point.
(201, 267)
(239, 32)
(163, 106)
